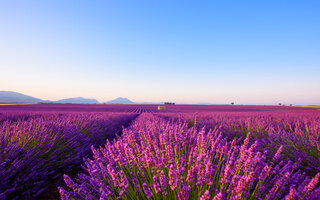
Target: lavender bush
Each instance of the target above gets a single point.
(36, 152)
(156, 159)
(297, 131)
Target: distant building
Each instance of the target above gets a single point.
(169, 103)
(161, 107)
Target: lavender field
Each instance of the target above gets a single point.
(68, 151)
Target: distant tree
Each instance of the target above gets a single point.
(232, 103)
(279, 104)
(290, 104)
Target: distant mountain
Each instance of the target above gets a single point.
(119, 100)
(78, 100)
(15, 97)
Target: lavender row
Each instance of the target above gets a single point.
(36, 152)
(297, 131)
(157, 159)
(16, 116)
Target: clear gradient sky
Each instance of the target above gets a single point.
(249, 52)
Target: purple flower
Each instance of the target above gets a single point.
(278, 154)
(106, 190)
(156, 185)
(173, 178)
(147, 190)
(314, 181)
(219, 196)
(63, 194)
(292, 194)
(124, 181)
(163, 183)
(69, 182)
(133, 178)
(113, 175)
(205, 196)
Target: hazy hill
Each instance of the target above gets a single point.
(120, 100)
(77, 100)
(15, 97)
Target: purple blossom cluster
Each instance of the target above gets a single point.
(159, 159)
(37, 148)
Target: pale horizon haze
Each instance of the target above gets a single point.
(247, 52)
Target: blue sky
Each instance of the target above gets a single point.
(248, 52)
